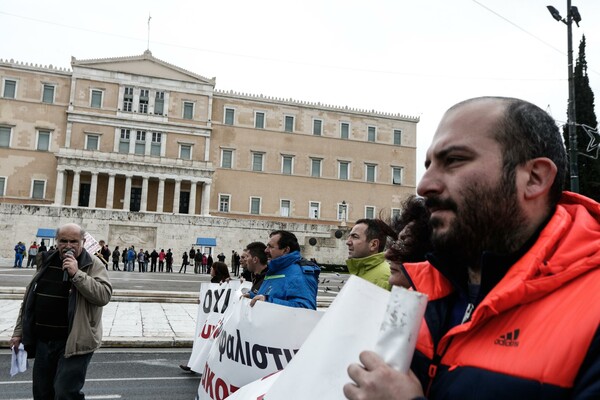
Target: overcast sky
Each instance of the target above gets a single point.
(414, 57)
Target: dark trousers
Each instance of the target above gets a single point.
(57, 377)
(153, 266)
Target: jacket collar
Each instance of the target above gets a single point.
(280, 263)
(356, 265)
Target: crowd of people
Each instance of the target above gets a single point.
(509, 262)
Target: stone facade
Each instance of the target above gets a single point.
(135, 146)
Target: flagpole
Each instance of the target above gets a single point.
(149, 18)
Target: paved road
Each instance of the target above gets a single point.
(133, 374)
(329, 284)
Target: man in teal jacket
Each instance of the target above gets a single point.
(291, 280)
(366, 257)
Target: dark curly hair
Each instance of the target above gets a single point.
(411, 246)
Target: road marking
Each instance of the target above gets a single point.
(106, 396)
(157, 378)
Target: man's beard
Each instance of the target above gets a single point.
(489, 219)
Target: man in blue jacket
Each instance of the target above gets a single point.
(290, 280)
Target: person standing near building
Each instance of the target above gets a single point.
(141, 261)
(60, 320)
(131, 256)
(31, 254)
(184, 262)
(209, 263)
(116, 255)
(19, 254)
(221, 257)
(515, 272)
(366, 244)
(197, 262)
(161, 260)
(124, 257)
(290, 280)
(153, 258)
(169, 260)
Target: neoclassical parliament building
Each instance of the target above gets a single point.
(145, 153)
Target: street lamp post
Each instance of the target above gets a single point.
(572, 15)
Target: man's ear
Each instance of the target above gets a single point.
(537, 176)
(374, 245)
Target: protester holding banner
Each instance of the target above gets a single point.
(60, 321)
(514, 280)
(256, 262)
(290, 280)
(366, 243)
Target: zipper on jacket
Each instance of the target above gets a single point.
(468, 312)
(435, 363)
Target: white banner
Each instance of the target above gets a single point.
(353, 323)
(215, 300)
(252, 343)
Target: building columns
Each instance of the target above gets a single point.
(127, 194)
(93, 190)
(110, 196)
(144, 202)
(75, 189)
(161, 195)
(59, 190)
(205, 206)
(176, 196)
(193, 188)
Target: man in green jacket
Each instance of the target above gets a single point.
(366, 257)
(60, 321)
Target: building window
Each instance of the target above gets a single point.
(2, 186)
(159, 103)
(43, 141)
(188, 110)
(314, 210)
(124, 141)
(38, 189)
(5, 132)
(397, 137)
(156, 145)
(317, 127)
(92, 142)
(344, 170)
(140, 142)
(315, 167)
(284, 208)
(229, 116)
(224, 203)
(226, 158)
(96, 100)
(344, 130)
(185, 151)
(342, 209)
(257, 162)
(369, 212)
(397, 175)
(128, 99)
(259, 120)
(144, 99)
(395, 213)
(289, 123)
(371, 134)
(48, 94)
(255, 205)
(10, 89)
(287, 165)
(370, 172)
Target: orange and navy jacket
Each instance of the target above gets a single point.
(535, 335)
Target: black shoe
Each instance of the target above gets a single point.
(185, 368)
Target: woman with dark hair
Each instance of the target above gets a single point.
(413, 241)
(219, 272)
